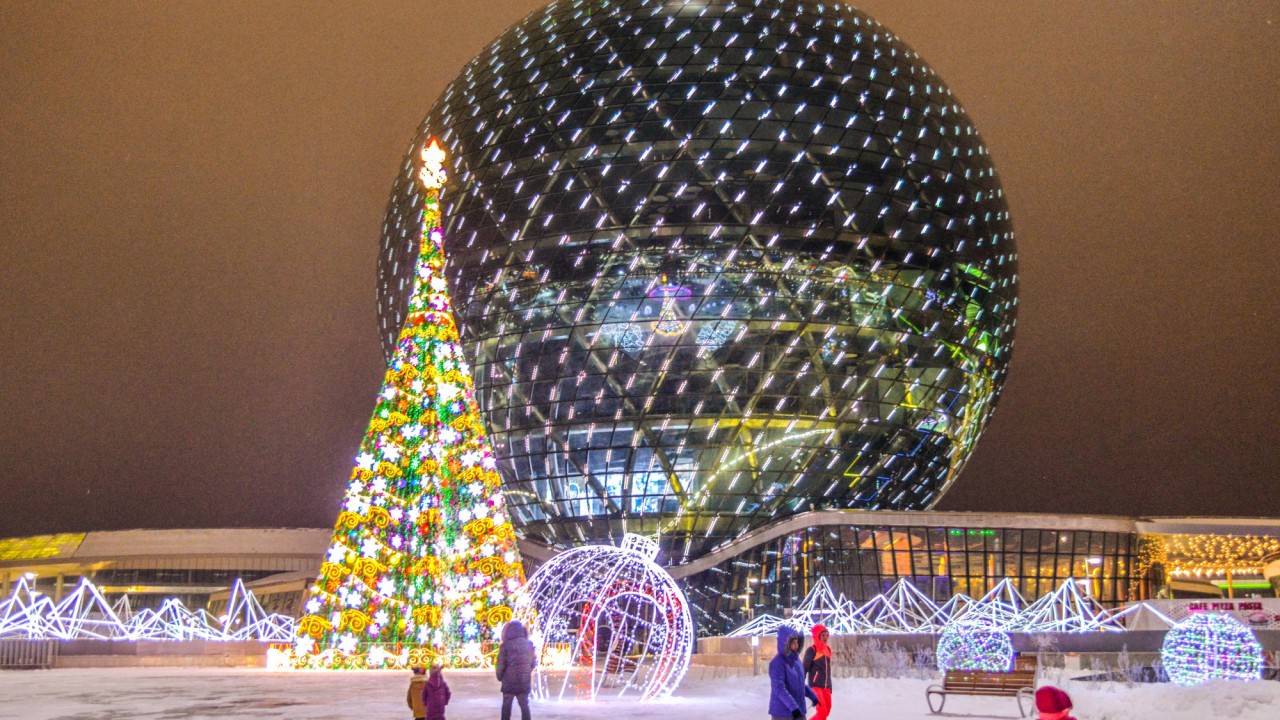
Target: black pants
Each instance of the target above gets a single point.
(522, 698)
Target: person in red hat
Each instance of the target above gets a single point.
(817, 671)
(1053, 703)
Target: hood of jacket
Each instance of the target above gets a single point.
(512, 630)
(820, 647)
(784, 636)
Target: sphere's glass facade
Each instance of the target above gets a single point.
(717, 262)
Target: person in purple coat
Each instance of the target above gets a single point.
(435, 694)
(787, 687)
(514, 668)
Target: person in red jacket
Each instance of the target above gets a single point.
(435, 694)
(817, 671)
(1053, 704)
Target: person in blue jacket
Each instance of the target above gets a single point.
(787, 687)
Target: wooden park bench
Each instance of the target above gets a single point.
(1020, 682)
(618, 665)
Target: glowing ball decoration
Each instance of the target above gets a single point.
(974, 646)
(607, 620)
(1211, 646)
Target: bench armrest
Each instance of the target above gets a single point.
(1029, 696)
(935, 690)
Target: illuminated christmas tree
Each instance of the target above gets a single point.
(424, 562)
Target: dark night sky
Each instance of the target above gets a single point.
(191, 196)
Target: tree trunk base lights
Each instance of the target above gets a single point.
(423, 565)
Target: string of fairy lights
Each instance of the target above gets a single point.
(1207, 555)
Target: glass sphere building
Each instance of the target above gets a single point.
(717, 262)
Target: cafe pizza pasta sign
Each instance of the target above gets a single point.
(1256, 613)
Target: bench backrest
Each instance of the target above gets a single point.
(988, 683)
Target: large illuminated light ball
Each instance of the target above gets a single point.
(607, 621)
(1211, 646)
(974, 646)
(716, 262)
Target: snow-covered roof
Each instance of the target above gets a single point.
(137, 544)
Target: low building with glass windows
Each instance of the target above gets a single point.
(195, 566)
(861, 553)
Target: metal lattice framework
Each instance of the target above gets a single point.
(85, 614)
(905, 609)
(821, 605)
(608, 620)
(716, 262)
(1067, 609)
(1001, 607)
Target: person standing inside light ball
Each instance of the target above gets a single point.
(817, 670)
(787, 688)
(514, 668)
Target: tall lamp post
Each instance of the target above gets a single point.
(755, 639)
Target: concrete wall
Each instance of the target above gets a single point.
(1134, 640)
(1078, 650)
(192, 653)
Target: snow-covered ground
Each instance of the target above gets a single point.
(177, 694)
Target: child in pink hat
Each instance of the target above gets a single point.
(1053, 704)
